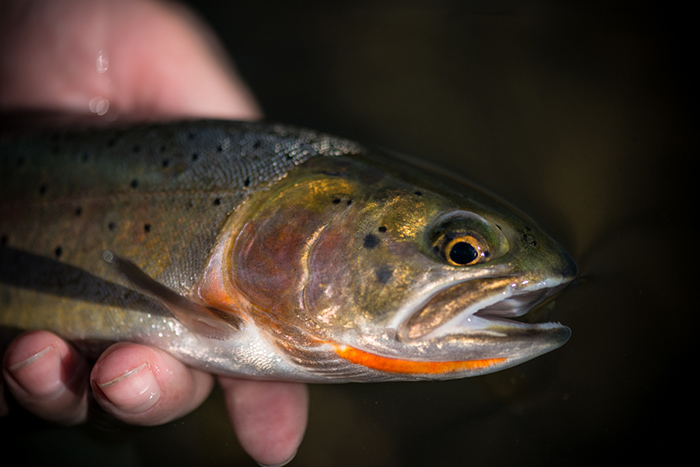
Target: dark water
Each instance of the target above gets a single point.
(581, 116)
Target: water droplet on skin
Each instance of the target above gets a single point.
(102, 62)
(98, 105)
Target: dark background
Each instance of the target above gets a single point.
(578, 112)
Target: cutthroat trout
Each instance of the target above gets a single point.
(271, 252)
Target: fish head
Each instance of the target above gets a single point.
(364, 266)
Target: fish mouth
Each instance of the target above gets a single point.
(497, 307)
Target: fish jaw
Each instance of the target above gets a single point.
(478, 306)
(482, 338)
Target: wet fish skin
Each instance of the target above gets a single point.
(267, 251)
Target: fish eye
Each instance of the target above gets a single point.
(461, 250)
(462, 238)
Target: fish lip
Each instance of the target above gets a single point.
(495, 314)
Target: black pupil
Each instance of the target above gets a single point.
(463, 253)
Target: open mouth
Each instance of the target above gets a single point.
(494, 306)
(516, 306)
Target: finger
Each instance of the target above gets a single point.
(269, 417)
(144, 59)
(47, 377)
(146, 386)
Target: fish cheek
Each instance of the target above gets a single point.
(329, 287)
(267, 258)
(352, 280)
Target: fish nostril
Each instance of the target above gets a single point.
(529, 239)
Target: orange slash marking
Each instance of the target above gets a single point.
(396, 365)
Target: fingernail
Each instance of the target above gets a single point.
(135, 391)
(40, 374)
(281, 463)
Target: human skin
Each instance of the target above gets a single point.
(148, 60)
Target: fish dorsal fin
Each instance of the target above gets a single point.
(205, 321)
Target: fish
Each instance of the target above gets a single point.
(268, 251)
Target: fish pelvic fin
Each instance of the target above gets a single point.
(200, 319)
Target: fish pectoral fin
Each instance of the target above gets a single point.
(202, 320)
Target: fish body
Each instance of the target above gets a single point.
(270, 252)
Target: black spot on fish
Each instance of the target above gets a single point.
(349, 202)
(163, 148)
(58, 252)
(134, 183)
(246, 182)
(136, 149)
(370, 241)
(3, 240)
(166, 163)
(336, 201)
(217, 201)
(384, 274)
(195, 156)
(257, 144)
(499, 227)
(111, 226)
(78, 211)
(418, 193)
(42, 189)
(191, 135)
(382, 228)
(219, 148)
(147, 228)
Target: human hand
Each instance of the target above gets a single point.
(130, 60)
